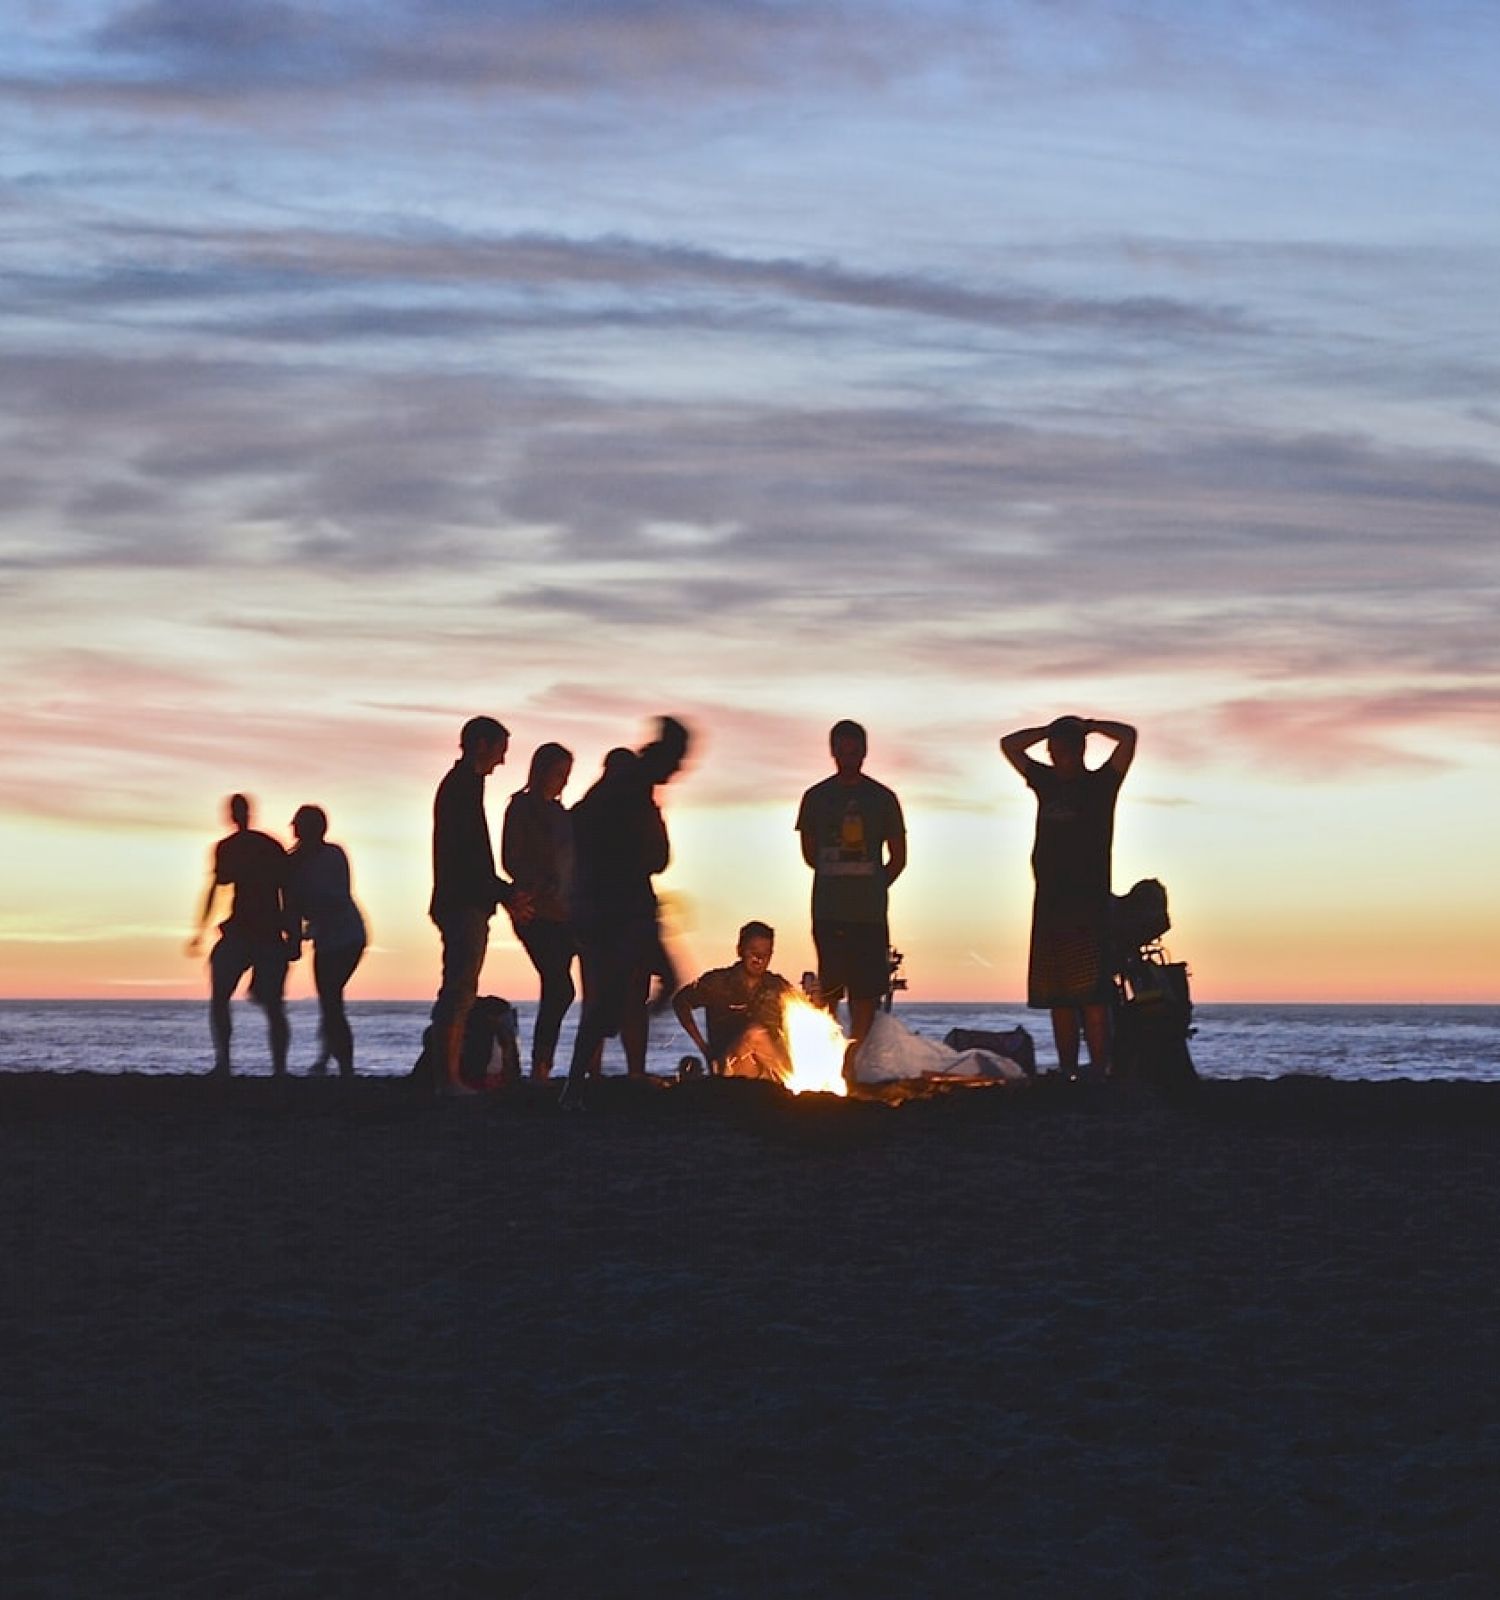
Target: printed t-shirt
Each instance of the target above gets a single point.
(851, 824)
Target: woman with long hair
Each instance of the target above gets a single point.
(322, 901)
(536, 849)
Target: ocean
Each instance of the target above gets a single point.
(1232, 1041)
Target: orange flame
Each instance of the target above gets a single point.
(817, 1045)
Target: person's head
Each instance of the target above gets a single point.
(310, 824)
(484, 742)
(848, 744)
(1066, 738)
(238, 807)
(756, 943)
(663, 757)
(551, 767)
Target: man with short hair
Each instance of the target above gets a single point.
(465, 891)
(746, 1033)
(854, 839)
(260, 935)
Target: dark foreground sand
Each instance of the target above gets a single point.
(708, 1341)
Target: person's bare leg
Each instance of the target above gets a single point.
(861, 1020)
(1065, 1037)
(635, 1025)
(1097, 1031)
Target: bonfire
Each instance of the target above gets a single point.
(816, 1044)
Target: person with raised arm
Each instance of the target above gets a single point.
(1069, 972)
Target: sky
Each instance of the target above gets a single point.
(370, 364)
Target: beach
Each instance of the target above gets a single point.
(712, 1340)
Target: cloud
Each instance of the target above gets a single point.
(1329, 737)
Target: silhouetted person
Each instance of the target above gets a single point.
(854, 839)
(259, 936)
(536, 849)
(1070, 972)
(620, 843)
(465, 891)
(323, 903)
(743, 1007)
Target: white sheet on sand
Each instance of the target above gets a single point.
(892, 1052)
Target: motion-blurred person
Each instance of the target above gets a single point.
(620, 843)
(1069, 972)
(323, 903)
(536, 849)
(743, 1007)
(259, 936)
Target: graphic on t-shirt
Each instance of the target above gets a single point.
(848, 856)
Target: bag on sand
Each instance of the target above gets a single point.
(1015, 1044)
(1153, 1023)
(891, 1053)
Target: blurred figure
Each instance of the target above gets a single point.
(854, 839)
(323, 906)
(536, 849)
(620, 843)
(465, 891)
(259, 936)
(743, 1007)
(1070, 971)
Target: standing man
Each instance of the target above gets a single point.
(854, 839)
(261, 935)
(1070, 972)
(465, 892)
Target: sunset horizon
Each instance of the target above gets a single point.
(369, 367)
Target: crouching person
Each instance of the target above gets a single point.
(742, 1005)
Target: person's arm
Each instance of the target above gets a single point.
(808, 833)
(895, 858)
(291, 910)
(1015, 745)
(1124, 736)
(682, 1003)
(195, 943)
(515, 838)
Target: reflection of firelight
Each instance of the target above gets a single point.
(817, 1046)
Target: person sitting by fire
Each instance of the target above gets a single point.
(743, 1007)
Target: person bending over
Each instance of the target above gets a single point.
(743, 1006)
(1069, 973)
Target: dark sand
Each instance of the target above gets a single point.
(710, 1341)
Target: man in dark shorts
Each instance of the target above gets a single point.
(259, 936)
(465, 891)
(1070, 972)
(743, 1010)
(854, 839)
